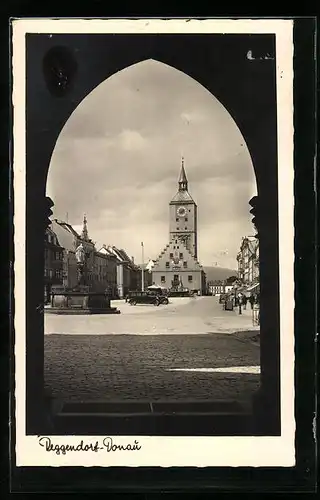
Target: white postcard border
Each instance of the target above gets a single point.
(165, 451)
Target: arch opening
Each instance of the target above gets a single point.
(121, 151)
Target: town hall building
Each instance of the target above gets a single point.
(177, 267)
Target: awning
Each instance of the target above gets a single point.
(253, 287)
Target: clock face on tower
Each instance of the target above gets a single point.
(181, 212)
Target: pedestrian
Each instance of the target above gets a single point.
(240, 302)
(251, 300)
(244, 302)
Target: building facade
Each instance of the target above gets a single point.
(215, 287)
(108, 269)
(105, 273)
(177, 267)
(53, 263)
(69, 239)
(100, 271)
(248, 260)
(128, 274)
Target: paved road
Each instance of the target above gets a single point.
(182, 315)
(161, 359)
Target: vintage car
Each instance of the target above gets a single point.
(148, 297)
(161, 292)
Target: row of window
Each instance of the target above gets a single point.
(185, 264)
(176, 278)
(52, 239)
(178, 229)
(50, 273)
(180, 255)
(178, 220)
(57, 255)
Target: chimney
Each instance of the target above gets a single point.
(132, 258)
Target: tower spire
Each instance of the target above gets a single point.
(85, 229)
(183, 182)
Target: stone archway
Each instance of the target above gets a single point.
(81, 63)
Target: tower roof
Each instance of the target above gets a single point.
(182, 194)
(183, 177)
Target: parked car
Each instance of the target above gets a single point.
(161, 293)
(147, 298)
(143, 298)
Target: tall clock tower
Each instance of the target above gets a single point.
(183, 215)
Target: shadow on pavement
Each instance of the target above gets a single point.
(252, 336)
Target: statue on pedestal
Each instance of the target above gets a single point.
(81, 259)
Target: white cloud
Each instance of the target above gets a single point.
(132, 140)
(118, 159)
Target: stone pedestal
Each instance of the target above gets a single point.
(80, 301)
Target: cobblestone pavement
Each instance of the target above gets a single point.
(105, 363)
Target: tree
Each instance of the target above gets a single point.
(231, 280)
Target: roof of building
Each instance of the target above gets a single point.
(76, 228)
(119, 253)
(68, 235)
(67, 227)
(183, 175)
(65, 234)
(106, 250)
(51, 237)
(182, 196)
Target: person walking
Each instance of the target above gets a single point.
(240, 302)
(251, 300)
(244, 302)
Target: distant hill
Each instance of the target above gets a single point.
(218, 273)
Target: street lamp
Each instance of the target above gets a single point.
(142, 266)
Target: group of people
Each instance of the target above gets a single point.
(241, 299)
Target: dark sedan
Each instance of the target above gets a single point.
(146, 298)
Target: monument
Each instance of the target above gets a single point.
(80, 300)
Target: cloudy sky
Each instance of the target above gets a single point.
(118, 160)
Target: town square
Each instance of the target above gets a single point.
(175, 336)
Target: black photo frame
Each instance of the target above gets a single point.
(42, 132)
